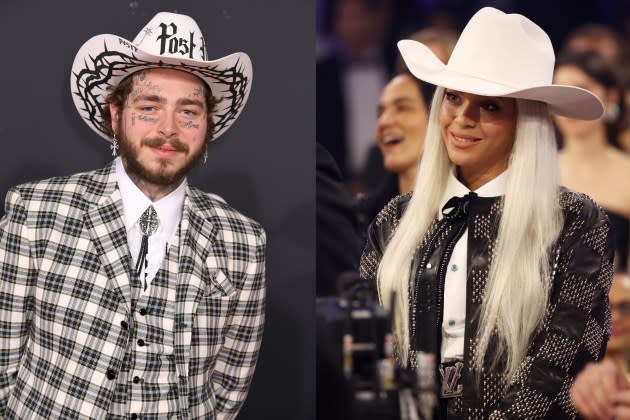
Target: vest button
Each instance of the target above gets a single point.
(111, 374)
(124, 325)
(134, 416)
(143, 311)
(136, 379)
(141, 342)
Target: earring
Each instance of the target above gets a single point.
(612, 113)
(205, 155)
(114, 146)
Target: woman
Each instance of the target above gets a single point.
(591, 160)
(400, 129)
(618, 348)
(493, 268)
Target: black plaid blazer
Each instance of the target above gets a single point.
(65, 300)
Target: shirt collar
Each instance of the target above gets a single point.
(492, 188)
(168, 208)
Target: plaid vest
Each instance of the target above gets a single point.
(147, 385)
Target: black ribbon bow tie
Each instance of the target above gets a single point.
(148, 225)
(457, 207)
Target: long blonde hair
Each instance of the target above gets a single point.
(517, 287)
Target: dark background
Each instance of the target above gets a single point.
(263, 166)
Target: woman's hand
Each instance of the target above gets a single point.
(600, 391)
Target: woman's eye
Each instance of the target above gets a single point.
(490, 106)
(451, 97)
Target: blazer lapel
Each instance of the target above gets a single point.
(197, 235)
(106, 227)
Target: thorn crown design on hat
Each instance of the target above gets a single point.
(169, 40)
(499, 54)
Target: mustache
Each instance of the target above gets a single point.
(175, 144)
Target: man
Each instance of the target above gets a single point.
(125, 292)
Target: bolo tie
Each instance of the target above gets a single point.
(148, 225)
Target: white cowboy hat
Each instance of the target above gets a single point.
(169, 40)
(500, 54)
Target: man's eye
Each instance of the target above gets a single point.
(490, 106)
(147, 108)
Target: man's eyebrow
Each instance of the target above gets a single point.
(188, 101)
(149, 98)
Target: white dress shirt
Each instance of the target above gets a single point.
(169, 211)
(454, 312)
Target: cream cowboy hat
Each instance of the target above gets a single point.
(500, 54)
(169, 40)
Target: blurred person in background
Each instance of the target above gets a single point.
(590, 158)
(349, 79)
(618, 348)
(339, 240)
(402, 119)
(602, 390)
(402, 109)
(595, 37)
(441, 41)
(609, 44)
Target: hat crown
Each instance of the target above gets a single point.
(172, 35)
(508, 49)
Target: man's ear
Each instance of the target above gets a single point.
(114, 111)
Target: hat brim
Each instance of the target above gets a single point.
(104, 60)
(568, 101)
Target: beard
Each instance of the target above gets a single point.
(165, 174)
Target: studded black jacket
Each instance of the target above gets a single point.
(574, 331)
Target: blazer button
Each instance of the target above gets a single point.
(134, 416)
(124, 325)
(136, 379)
(141, 342)
(111, 374)
(143, 311)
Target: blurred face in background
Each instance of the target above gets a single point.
(620, 307)
(361, 25)
(574, 76)
(607, 47)
(401, 124)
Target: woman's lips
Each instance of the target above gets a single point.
(393, 139)
(463, 141)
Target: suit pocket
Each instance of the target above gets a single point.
(212, 318)
(219, 285)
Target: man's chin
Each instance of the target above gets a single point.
(164, 177)
(161, 170)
